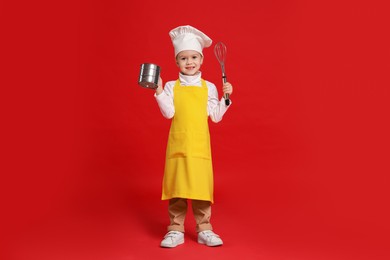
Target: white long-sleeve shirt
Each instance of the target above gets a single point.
(215, 108)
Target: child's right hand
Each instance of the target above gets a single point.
(159, 89)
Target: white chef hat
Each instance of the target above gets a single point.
(189, 38)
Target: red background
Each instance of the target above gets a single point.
(300, 160)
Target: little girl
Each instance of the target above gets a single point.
(188, 170)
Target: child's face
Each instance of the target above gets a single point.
(189, 62)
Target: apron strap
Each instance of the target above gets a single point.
(203, 82)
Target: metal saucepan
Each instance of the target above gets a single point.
(148, 76)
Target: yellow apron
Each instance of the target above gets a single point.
(188, 166)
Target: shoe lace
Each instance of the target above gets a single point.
(172, 234)
(210, 234)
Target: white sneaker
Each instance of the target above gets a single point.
(209, 238)
(172, 239)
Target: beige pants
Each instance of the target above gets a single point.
(177, 212)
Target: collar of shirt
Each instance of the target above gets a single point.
(186, 80)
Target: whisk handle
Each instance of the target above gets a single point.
(227, 100)
(226, 96)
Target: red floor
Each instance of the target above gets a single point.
(130, 225)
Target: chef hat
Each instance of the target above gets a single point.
(189, 38)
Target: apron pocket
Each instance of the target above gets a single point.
(177, 144)
(201, 146)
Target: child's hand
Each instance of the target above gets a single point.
(227, 88)
(159, 89)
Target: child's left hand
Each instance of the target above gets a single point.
(227, 88)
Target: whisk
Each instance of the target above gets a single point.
(220, 52)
